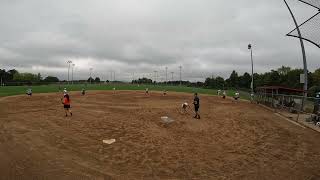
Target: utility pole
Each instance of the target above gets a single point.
(180, 67)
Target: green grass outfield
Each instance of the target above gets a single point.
(16, 90)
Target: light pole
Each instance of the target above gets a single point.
(72, 72)
(172, 77)
(69, 62)
(250, 48)
(90, 75)
(180, 67)
(155, 77)
(166, 75)
(305, 68)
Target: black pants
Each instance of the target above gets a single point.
(196, 108)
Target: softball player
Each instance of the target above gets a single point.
(66, 104)
(224, 94)
(29, 92)
(196, 103)
(236, 95)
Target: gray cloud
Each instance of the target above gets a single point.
(139, 36)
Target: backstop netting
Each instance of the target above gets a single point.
(310, 30)
(314, 3)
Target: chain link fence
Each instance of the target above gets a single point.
(291, 103)
(298, 108)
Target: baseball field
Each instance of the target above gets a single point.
(16, 90)
(232, 140)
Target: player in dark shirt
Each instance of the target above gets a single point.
(196, 103)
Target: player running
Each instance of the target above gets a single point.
(184, 107)
(83, 91)
(196, 103)
(65, 91)
(29, 92)
(66, 104)
(224, 94)
(147, 91)
(164, 92)
(236, 95)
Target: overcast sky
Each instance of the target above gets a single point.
(205, 37)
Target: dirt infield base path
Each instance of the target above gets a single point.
(231, 141)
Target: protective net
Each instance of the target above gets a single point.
(310, 30)
(314, 3)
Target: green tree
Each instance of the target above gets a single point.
(90, 79)
(293, 79)
(233, 80)
(284, 70)
(39, 78)
(272, 78)
(25, 77)
(51, 79)
(316, 77)
(220, 82)
(245, 80)
(97, 79)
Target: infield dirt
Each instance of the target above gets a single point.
(231, 140)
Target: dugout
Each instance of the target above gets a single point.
(279, 96)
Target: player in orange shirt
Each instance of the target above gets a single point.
(66, 104)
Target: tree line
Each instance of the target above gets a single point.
(283, 76)
(14, 77)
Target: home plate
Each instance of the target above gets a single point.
(166, 119)
(108, 141)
